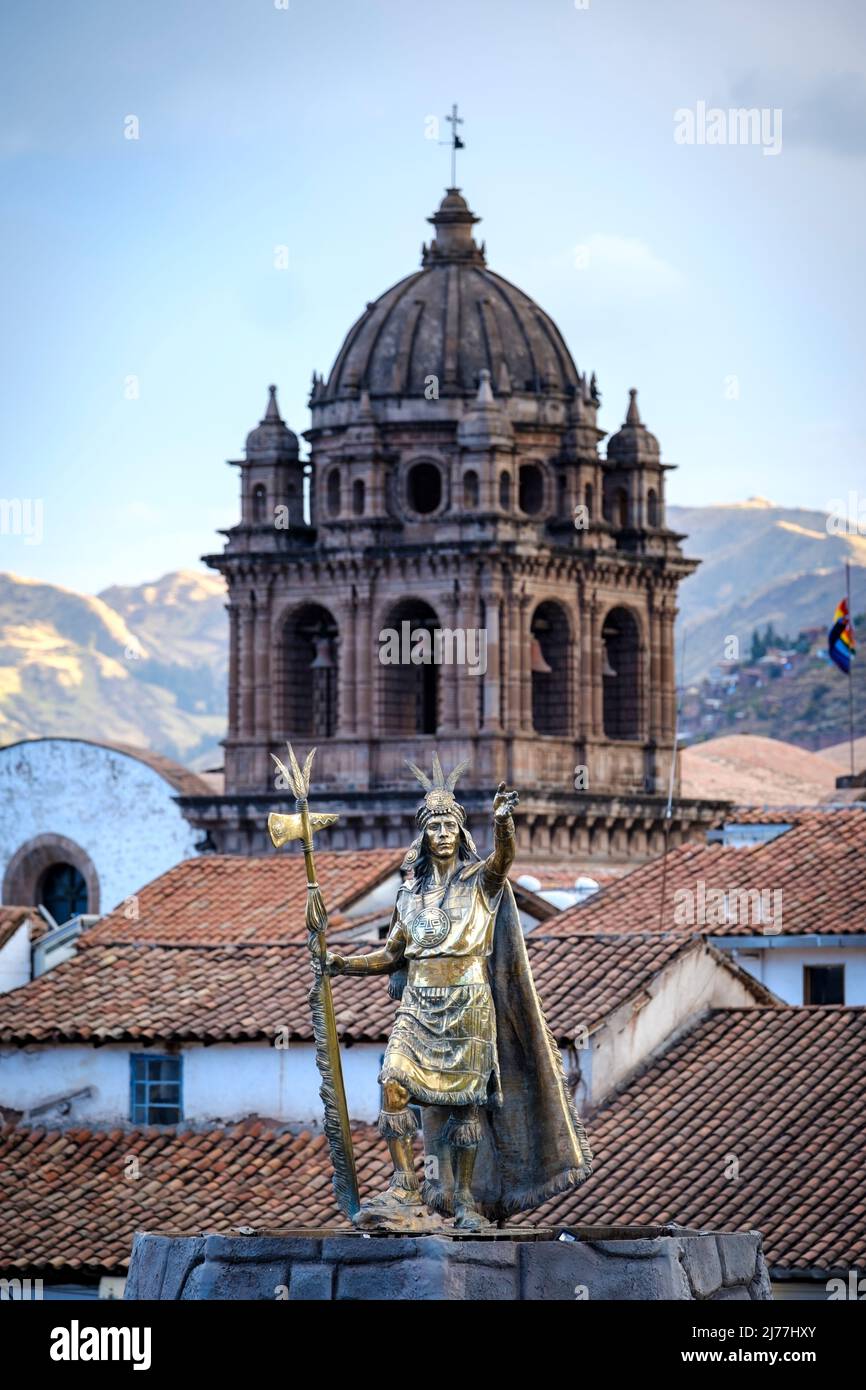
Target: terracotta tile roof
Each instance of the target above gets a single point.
(11, 919)
(176, 993)
(245, 993)
(817, 865)
(222, 898)
(581, 979)
(67, 1200)
(783, 1091)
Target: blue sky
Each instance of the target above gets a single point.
(262, 126)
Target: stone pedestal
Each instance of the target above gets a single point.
(564, 1263)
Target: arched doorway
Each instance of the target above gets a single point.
(408, 690)
(310, 671)
(621, 674)
(550, 666)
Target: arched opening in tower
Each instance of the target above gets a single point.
(409, 689)
(550, 663)
(310, 673)
(334, 488)
(621, 684)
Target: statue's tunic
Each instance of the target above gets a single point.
(443, 1045)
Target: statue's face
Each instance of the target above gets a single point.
(443, 833)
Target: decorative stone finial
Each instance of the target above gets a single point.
(485, 390)
(453, 221)
(633, 442)
(486, 423)
(271, 437)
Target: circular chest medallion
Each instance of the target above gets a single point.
(429, 927)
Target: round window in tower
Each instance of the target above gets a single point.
(424, 488)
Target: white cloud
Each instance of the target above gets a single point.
(624, 266)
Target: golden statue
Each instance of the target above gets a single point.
(469, 1044)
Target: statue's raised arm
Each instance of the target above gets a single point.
(498, 863)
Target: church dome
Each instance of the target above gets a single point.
(453, 319)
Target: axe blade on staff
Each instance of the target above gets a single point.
(302, 826)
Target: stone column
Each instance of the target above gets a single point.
(668, 672)
(247, 668)
(585, 709)
(644, 656)
(655, 698)
(234, 673)
(596, 623)
(468, 690)
(511, 615)
(525, 641)
(262, 697)
(492, 684)
(574, 670)
(448, 675)
(347, 665)
(365, 661)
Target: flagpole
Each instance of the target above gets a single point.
(850, 667)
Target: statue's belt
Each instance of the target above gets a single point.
(447, 970)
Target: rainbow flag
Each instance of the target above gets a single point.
(840, 638)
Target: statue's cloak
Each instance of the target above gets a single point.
(533, 1144)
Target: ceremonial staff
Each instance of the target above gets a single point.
(302, 826)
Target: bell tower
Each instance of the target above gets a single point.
(470, 575)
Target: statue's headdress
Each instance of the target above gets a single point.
(439, 801)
